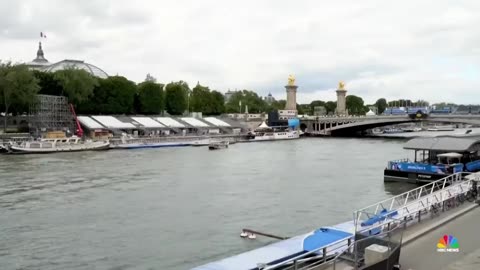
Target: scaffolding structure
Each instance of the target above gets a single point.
(51, 113)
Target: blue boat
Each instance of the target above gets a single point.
(435, 158)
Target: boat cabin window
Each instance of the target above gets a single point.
(449, 158)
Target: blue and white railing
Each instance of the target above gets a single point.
(413, 201)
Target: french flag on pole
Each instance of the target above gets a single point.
(42, 35)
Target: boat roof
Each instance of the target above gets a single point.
(450, 155)
(450, 144)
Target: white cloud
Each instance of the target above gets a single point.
(402, 49)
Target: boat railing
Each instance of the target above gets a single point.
(319, 254)
(346, 249)
(392, 162)
(416, 200)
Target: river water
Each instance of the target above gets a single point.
(176, 208)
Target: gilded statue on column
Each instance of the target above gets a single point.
(341, 85)
(291, 80)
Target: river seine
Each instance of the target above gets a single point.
(176, 208)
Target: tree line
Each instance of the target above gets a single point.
(114, 95)
(117, 95)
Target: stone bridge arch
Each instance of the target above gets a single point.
(337, 126)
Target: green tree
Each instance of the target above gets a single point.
(400, 103)
(421, 103)
(114, 95)
(444, 104)
(48, 84)
(150, 95)
(276, 105)
(201, 99)
(18, 86)
(176, 97)
(316, 103)
(355, 105)
(381, 105)
(218, 103)
(304, 109)
(330, 106)
(77, 84)
(246, 98)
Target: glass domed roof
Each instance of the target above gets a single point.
(65, 64)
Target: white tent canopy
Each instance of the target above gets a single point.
(263, 125)
(370, 113)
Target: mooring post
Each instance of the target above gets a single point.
(324, 251)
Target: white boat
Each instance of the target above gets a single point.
(56, 145)
(266, 133)
(411, 129)
(392, 130)
(205, 142)
(442, 128)
(218, 145)
(129, 142)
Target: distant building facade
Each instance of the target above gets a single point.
(269, 99)
(319, 110)
(228, 95)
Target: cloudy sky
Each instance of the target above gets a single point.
(417, 49)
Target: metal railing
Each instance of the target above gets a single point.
(320, 254)
(392, 238)
(392, 162)
(408, 203)
(418, 199)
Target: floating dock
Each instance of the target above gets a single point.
(331, 241)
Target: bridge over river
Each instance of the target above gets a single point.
(350, 125)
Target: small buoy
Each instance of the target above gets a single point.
(243, 234)
(252, 236)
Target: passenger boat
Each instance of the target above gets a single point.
(129, 142)
(205, 142)
(56, 145)
(435, 158)
(411, 129)
(392, 130)
(442, 128)
(218, 145)
(266, 133)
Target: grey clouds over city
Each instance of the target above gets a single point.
(394, 49)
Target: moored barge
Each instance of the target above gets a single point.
(435, 158)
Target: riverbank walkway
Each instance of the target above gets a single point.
(420, 253)
(419, 248)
